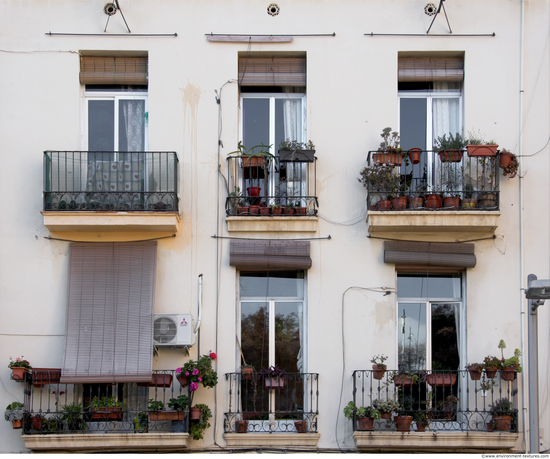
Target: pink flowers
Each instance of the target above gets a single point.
(178, 370)
(213, 355)
(200, 378)
(18, 359)
(195, 372)
(193, 386)
(186, 373)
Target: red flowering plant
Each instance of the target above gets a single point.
(199, 372)
(19, 362)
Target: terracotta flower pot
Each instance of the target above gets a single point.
(433, 201)
(17, 424)
(451, 202)
(243, 210)
(254, 210)
(277, 211)
(421, 426)
(194, 413)
(491, 372)
(390, 158)
(18, 373)
(246, 373)
(241, 426)
(475, 375)
(184, 381)
(43, 376)
(399, 203)
(505, 160)
(378, 371)
(502, 423)
(403, 423)
(301, 426)
(385, 415)
(301, 210)
(451, 156)
(365, 423)
(508, 374)
(414, 155)
(264, 210)
(481, 150)
(441, 379)
(254, 191)
(384, 204)
(416, 203)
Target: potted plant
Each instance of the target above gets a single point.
(509, 367)
(469, 201)
(106, 408)
(274, 377)
(478, 146)
(195, 372)
(389, 151)
(301, 425)
(292, 150)
(414, 155)
(491, 364)
(254, 157)
(475, 370)
(247, 371)
(197, 427)
(381, 181)
(441, 379)
(141, 423)
(503, 414)
(403, 379)
(421, 419)
(378, 366)
(452, 182)
(447, 407)
(159, 379)
(73, 417)
(449, 147)
(509, 163)
(386, 407)
(365, 415)
(156, 412)
(14, 413)
(43, 376)
(485, 386)
(19, 367)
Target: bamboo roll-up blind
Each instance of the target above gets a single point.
(430, 69)
(109, 329)
(270, 255)
(430, 254)
(272, 71)
(113, 70)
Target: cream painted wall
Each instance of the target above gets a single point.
(351, 96)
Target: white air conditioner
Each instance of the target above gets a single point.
(173, 330)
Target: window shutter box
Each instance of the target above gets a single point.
(270, 255)
(430, 254)
(113, 70)
(430, 69)
(272, 71)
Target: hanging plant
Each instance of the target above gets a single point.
(509, 163)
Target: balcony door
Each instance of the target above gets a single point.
(269, 119)
(272, 332)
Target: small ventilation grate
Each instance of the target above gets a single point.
(273, 9)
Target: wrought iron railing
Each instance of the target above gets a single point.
(260, 403)
(264, 186)
(110, 181)
(435, 182)
(55, 408)
(439, 400)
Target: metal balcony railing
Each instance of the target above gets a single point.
(55, 408)
(110, 181)
(258, 403)
(435, 182)
(264, 186)
(445, 400)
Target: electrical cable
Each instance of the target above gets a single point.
(108, 242)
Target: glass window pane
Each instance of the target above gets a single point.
(283, 285)
(131, 125)
(288, 321)
(419, 286)
(101, 127)
(412, 337)
(255, 122)
(412, 123)
(444, 337)
(255, 333)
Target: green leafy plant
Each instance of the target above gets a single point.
(379, 359)
(14, 412)
(477, 138)
(449, 142)
(474, 366)
(155, 405)
(105, 402)
(295, 145)
(180, 403)
(199, 372)
(386, 406)
(380, 178)
(141, 422)
(256, 150)
(390, 141)
(19, 362)
(502, 407)
(362, 412)
(73, 416)
(200, 425)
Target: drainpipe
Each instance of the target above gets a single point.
(199, 312)
(521, 254)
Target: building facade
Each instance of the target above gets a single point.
(164, 222)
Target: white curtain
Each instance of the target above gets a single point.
(446, 117)
(132, 112)
(295, 172)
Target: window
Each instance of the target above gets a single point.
(430, 320)
(273, 109)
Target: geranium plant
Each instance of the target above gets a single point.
(273, 371)
(379, 359)
(19, 362)
(199, 372)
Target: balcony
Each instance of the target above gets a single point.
(448, 411)
(264, 411)
(62, 417)
(110, 191)
(267, 194)
(437, 194)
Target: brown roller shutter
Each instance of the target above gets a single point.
(113, 70)
(437, 256)
(272, 71)
(270, 255)
(109, 329)
(430, 69)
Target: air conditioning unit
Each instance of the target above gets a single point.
(173, 330)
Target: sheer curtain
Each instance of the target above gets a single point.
(293, 130)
